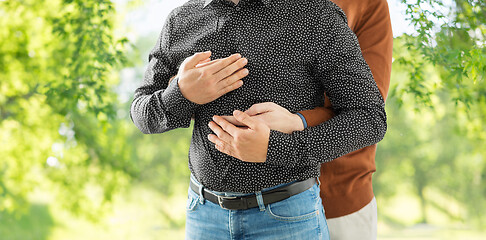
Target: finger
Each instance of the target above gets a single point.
(207, 63)
(220, 132)
(232, 120)
(203, 62)
(230, 69)
(221, 145)
(260, 108)
(217, 66)
(230, 80)
(193, 60)
(226, 126)
(230, 88)
(245, 119)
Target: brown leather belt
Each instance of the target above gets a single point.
(250, 201)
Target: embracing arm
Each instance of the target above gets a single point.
(360, 118)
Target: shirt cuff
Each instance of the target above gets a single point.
(303, 119)
(282, 149)
(175, 102)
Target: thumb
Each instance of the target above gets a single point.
(193, 60)
(259, 108)
(245, 119)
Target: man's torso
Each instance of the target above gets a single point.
(279, 42)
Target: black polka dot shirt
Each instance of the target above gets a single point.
(296, 51)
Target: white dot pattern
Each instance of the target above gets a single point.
(296, 51)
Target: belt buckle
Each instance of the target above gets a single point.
(221, 198)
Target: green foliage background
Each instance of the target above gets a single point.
(67, 142)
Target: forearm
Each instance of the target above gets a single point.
(360, 118)
(346, 132)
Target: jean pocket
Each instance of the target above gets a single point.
(299, 207)
(192, 201)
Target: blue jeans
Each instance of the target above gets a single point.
(298, 217)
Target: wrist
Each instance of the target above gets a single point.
(299, 121)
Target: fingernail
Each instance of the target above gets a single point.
(245, 60)
(236, 112)
(214, 118)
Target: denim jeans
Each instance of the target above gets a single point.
(298, 217)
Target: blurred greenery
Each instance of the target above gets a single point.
(57, 109)
(34, 225)
(437, 110)
(73, 166)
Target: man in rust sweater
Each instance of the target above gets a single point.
(346, 186)
(346, 182)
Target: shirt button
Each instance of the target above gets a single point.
(237, 8)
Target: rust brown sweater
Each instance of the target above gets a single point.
(346, 184)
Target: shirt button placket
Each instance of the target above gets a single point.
(233, 36)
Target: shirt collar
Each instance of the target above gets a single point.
(207, 2)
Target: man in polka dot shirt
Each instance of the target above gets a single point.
(288, 53)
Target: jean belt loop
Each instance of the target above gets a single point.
(201, 196)
(259, 198)
(318, 181)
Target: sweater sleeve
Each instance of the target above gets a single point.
(360, 118)
(375, 36)
(158, 105)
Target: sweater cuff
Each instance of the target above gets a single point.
(175, 102)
